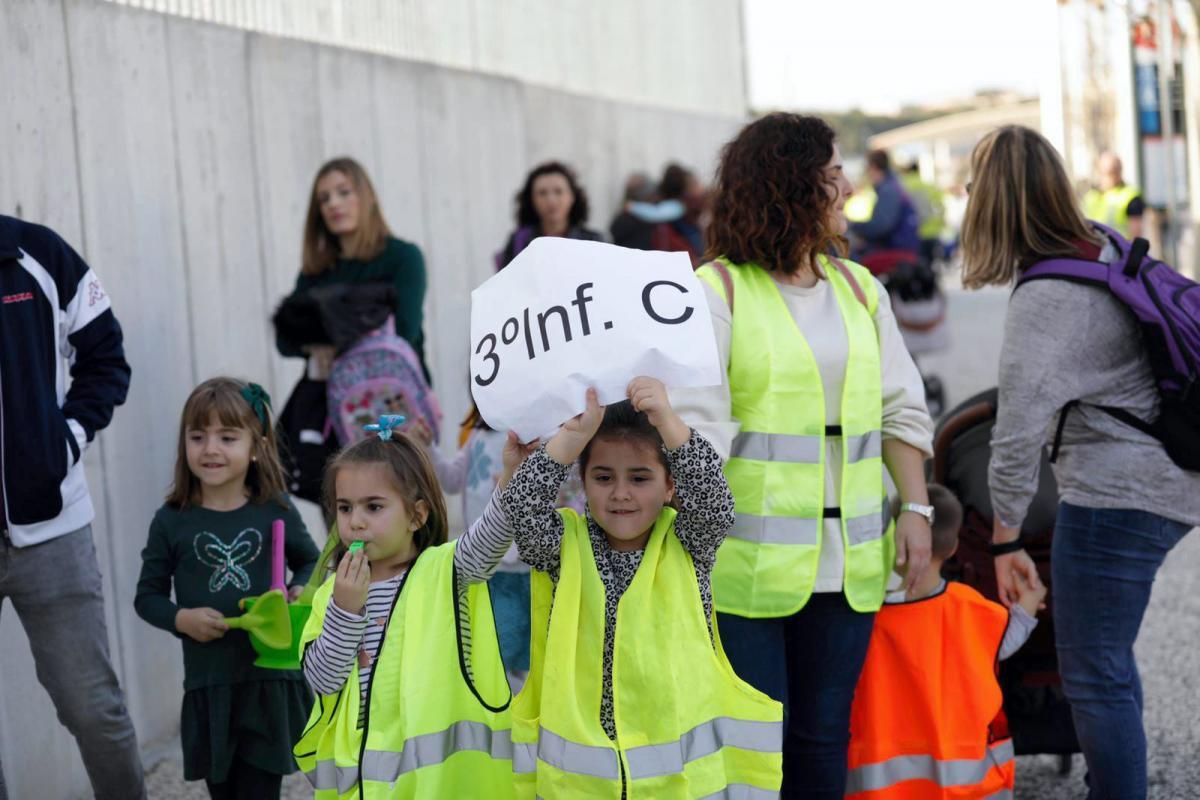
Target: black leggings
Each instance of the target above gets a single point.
(246, 782)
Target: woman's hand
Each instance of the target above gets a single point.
(352, 582)
(320, 359)
(513, 456)
(1011, 570)
(913, 545)
(201, 624)
(649, 396)
(566, 445)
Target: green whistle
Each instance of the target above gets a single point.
(356, 546)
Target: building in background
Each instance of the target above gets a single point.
(1127, 79)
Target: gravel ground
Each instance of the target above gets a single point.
(1167, 654)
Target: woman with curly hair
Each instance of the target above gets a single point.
(551, 203)
(819, 396)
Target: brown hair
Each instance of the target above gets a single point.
(322, 248)
(1021, 208)
(622, 423)
(223, 398)
(411, 474)
(771, 201)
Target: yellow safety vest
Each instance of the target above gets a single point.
(1110, 207)
(431, 730)
(768, 565)
(686, 725)
(929, 204)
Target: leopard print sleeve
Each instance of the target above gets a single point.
(529, 503)
(703, 499)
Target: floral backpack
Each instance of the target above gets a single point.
(379, 374)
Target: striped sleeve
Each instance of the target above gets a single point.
(480, 549)
(329, 659)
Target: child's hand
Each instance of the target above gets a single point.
(420, 431)
(513, 456)
(649, 396)
(1030, 596)
(566, 445)
(351, 583)
(201, 624)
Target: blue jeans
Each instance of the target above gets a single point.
(810, 662)
(1103, 565)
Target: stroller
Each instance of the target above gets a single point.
(919, 305)
(1039, 716)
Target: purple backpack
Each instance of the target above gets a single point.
(1167, 307)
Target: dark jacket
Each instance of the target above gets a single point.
(521, 237)
(54, 315)
(894, 222)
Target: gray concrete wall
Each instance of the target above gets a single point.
(680, 54)
(177, 157)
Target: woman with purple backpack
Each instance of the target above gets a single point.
(551, 203)
(1086, 364)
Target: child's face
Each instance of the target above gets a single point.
(626, 487)
(370, 510)
(218, 455)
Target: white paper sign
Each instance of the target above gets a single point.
(565, 315)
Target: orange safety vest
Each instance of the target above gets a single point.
(928, 719)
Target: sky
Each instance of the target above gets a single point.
(877, 55)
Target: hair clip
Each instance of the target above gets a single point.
(259, 401)
(387, 423)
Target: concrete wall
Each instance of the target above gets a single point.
(681, 54)
(177, 157)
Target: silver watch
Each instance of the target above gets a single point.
(917, 508)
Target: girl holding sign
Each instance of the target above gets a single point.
(819, 397)
(630, 693)
(211, 542)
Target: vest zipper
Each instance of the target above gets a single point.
(362, 748)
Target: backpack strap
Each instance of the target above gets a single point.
(1121, 414)
(726, 280)
(850, 279)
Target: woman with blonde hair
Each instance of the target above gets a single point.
(347, 241)
(1123, 502)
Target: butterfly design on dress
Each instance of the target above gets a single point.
(227, 559)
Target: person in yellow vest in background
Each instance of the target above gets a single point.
(629, 693)
(819, 396)
(931, 211)
(401, 647)
(1113, 202)
(928, 717)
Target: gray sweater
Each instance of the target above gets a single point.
(1065, 341)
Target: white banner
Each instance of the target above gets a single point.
(565, 315)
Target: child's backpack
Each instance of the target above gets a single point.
(379, 374)
(1167, 307)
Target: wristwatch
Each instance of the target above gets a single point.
(917, 508)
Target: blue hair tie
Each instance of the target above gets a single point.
(387, 423)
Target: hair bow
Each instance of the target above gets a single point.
(387, 423)
(259, 401)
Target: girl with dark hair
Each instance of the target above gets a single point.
(551, 203)
(819, 397)
(210, 543)
(401, 646)
(628, 671)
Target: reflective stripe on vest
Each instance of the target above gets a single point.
(789, 448)
(328, 776)
(946, 774)
(779, 463)
(712, 735)
(800, 530)
(429, 749)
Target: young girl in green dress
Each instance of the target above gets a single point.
(211, 540)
